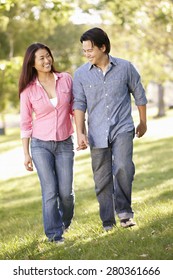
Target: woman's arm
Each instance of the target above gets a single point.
(27, 158)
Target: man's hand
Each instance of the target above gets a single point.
(82, 142)
(141, 129)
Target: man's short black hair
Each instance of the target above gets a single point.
(98, 38)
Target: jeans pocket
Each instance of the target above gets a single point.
(69, 140)
(35, 142)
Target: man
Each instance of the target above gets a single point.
(102, 88)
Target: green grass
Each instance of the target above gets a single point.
(10, 140)
(21, 230)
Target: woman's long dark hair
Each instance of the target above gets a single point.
(29, 73)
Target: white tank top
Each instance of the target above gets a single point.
(53, 101)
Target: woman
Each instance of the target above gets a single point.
(45, 110)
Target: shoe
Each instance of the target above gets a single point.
(108, 228)
(125, 223)
(66, 229)
(59, 241)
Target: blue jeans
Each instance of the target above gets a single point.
(54, 164)
(113, 171)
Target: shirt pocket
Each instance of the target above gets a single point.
(65, 96)
(119, 87)
(38, 103)
(93, 91)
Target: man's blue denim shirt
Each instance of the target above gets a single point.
(107, 99)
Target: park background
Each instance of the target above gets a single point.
(140, 31)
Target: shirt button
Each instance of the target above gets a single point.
(108, 119)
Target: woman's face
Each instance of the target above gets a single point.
(43, 61)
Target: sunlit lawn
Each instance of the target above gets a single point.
(21, 230)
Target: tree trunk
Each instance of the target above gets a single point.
(161, 103)
(2, 128)
(11, 48)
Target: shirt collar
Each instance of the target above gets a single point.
(56, 76)
(112, 61)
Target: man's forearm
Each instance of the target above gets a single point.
(142, 114)
(79, 117)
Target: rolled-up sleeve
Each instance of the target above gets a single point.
(25, 115)
(79, 102)
(135, 86)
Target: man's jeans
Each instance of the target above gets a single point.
(54, 163)
(114, 170)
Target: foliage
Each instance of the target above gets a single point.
(22, 23)
(68, 58)
(9, 83)
(143, 31)
(140, 31)
(32, 20)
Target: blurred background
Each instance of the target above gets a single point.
(140, 31)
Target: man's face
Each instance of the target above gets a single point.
(93, 53)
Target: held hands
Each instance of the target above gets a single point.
(141, 129)
(28, 163)
(82, 142)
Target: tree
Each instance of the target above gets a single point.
(22, 23)
(29, 21)
(154, 31)
(66, 47)
(9, 73)
(142, 31)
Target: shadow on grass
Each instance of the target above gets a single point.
(20, 206)
(21, 220)
(158, 152)
(10, 141)
(154, 163)
(152, 179)
(152, 242)
(11, 135)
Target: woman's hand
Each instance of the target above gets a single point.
(28, 163)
